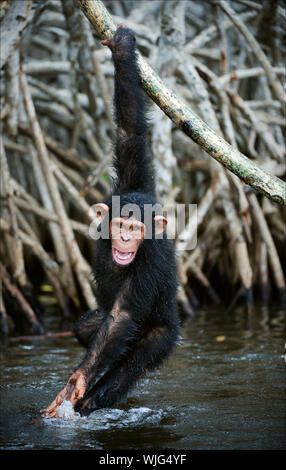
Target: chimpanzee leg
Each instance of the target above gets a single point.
(116, 382)
(87, 325)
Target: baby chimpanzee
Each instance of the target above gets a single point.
(136, 325)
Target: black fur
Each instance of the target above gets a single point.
(121, 348)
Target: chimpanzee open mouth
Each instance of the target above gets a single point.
(123, 258)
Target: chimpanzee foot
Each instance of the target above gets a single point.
(104, 397)
(83, 406)
(88, 404)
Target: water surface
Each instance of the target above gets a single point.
(223, 388)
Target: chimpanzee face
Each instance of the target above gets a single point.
(126, 235)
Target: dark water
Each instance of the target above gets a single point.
(224, 388)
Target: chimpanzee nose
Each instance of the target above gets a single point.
(124, 235)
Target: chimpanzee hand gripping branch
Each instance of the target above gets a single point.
(136, 325)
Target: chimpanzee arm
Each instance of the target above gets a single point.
(133, 165)
(109, 343)
(115, 384)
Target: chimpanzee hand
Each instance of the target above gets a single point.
(73, 391)
(123, 41)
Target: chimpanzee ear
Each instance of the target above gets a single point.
(101, 211)
(160, 224)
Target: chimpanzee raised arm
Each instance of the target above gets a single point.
(132, 163)
(136, 325)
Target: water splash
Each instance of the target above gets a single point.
(132, 417)
(66, 411)
(106, 418)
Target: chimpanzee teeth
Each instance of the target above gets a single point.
(121, 255)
